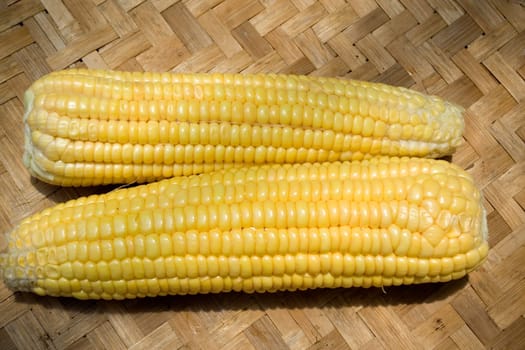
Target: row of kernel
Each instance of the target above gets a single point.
(104, 86)
(283, 214)
(153, 218)
(180, 286)
(316, 110)
(318, 147)
(119, 290)
(226, 217)
(411, 270)
(376, 190)
(331, 85)
(267, 80)
(91, 174)
(183, 110)
(246, 267)
(373, 88)
(100, 235)
(155, 132)
(374, 168)
(59, 153)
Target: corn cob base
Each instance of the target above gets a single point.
(90, 127)
(380, 222)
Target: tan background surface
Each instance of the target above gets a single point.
(471, 52)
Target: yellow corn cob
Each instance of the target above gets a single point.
(379, 222)
(89, 127)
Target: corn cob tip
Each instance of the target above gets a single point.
(17, 278)
(454, 115)
(29, 99)
(31, 153)
(484, 225)
(16, 283)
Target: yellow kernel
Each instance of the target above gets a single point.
(370, 265)
(52, 271)
(434, 267)
(94, 251)
(466, 242)
(427, 133)
(335, 265)
(395, 131)
(483, 250)
(412, 266)
(152, 246)
(402, 216)
(290, 264)
(90, 270)
(356, 246)
(413, 221)
(115, 270)
(279, 266)
(434, 234)
(415, 194)
(453, 184)
(447, 265)
(127, 269)
(51, 286)
(441, 249)
(458, 205)
(217, 284)
(360, 265)
(357, 125)
(78, 270)
(389, 266)
(400, 266)
(349, 265)
(423, 267)
(444, 219)
(368, 127)
(245, 267)
(136, 245)
(431, 207)
(106, 248)
(103, 271)
(367, 241)
(460, 262)
(415, 245)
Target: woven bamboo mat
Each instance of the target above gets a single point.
(471, 52)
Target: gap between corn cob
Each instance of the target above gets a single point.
(379, 222)
(89, 127)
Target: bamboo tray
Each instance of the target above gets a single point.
(470, 52)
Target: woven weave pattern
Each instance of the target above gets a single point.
(470, 52)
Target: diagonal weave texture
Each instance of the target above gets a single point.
(470, 52)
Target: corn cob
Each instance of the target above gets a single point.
(378, 222)
(90, 127)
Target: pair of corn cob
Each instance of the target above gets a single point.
(267, 182)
